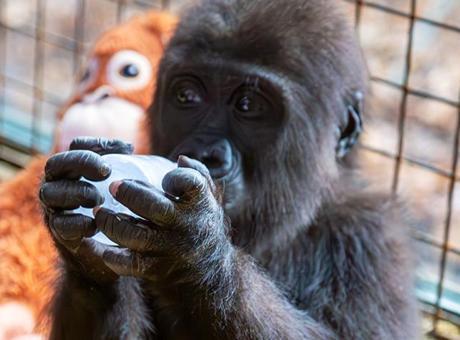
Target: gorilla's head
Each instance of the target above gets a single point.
(270, 106)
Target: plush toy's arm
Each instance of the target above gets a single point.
(27, 255)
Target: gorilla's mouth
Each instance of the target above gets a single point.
(232, 184)
(221, 158)
(224, 165)
(234, 173)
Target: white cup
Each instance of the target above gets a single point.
(149, 169)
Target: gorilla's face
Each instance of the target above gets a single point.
(224, 117)
(270, 106)
(263, 134)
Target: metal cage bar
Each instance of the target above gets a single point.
(403, 106)
(3, 31)
(40, 18)
(446, 248)
(447, 226)
(79, 34)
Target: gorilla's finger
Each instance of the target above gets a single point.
(129, 263)
(75, 164)
(187, 162)
(144, 200)
(130, 232)
(102, 146)
(72, 227)
(186, 183)
(69, 195)
(90, 252)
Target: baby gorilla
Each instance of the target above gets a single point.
(263, 232)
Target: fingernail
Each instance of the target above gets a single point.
(96, 209)
(113, 188)
(182, 160)
(105, 170)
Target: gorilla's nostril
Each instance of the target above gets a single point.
(215, 154)
(218, 163)
(211, 162)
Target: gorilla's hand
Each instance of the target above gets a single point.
(61, 190)
(183, 233)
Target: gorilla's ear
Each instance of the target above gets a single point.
(349, 134)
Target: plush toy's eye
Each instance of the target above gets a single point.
(85, 76)
(89, 74)
(129, 70)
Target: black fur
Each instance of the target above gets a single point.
(301, 249)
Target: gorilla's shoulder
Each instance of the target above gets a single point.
(366, 212)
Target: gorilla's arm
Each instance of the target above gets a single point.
(344, 270)
(258, 310)
(182, 251)
(359, 269)
(348, 269)
(81, 309)
(84, 309)
(88, 303)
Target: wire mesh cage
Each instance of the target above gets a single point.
(424, 38)
(42, 44)
(413, 129)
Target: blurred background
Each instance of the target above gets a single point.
(412, 123)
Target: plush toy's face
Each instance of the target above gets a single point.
(117, 85)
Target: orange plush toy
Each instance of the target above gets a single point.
(109, 101)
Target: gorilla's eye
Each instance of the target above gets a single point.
(187, 96)
(187, 92)
(129, 71)
(244, 104)
(251, 105)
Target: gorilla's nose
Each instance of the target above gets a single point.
(216, 155)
